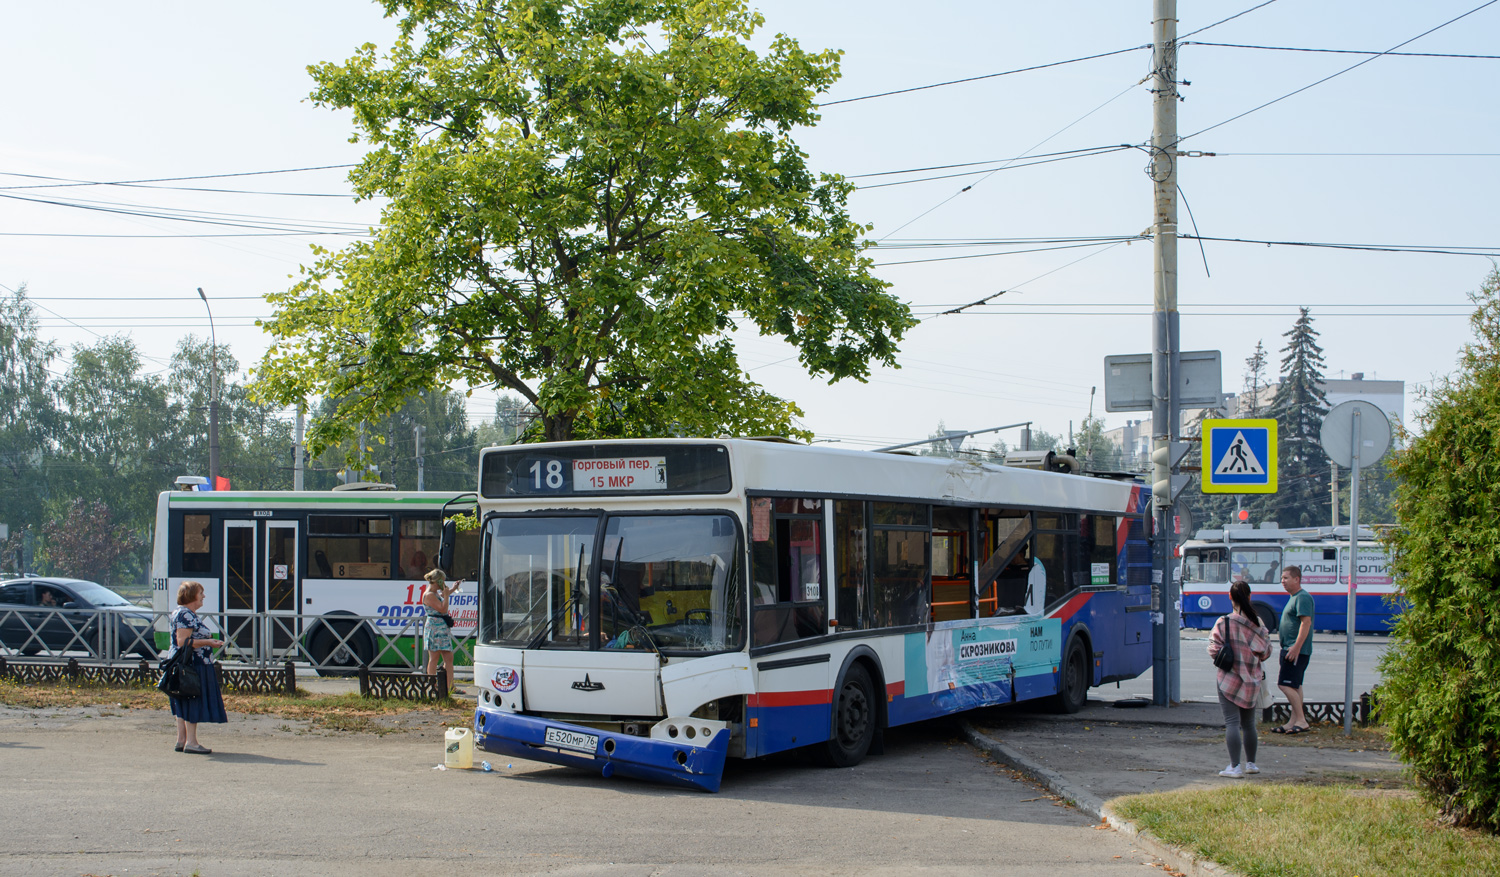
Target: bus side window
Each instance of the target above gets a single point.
(1007, 566)
(851, 550)
(899, 564)
(196, 543)
(952, 582)
(786, 549)
(349, 546)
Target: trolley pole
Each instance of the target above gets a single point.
(1165, 666)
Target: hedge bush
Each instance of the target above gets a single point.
(1441, 694)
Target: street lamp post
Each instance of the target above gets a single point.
(213, 400)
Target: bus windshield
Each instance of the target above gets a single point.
(667, 583)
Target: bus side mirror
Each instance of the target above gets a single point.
(445, 547)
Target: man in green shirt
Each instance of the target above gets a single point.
(1296, 647)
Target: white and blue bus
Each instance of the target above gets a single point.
(1214, 558)
(649, 608)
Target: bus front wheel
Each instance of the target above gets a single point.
(853, 721)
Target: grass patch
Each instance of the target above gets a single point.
(1370, 738)
(335, 712)
(1265, 829)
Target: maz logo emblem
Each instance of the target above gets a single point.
(588, 685)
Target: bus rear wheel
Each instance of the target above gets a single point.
(331, 657)
(1073, 686)
(853, 720)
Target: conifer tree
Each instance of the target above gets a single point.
(1301, 499)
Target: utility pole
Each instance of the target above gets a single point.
(297, 451)
(420, 429)
(213, 399)
(1165, 665)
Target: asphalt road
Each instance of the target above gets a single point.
(93, 791)
(1324, 682)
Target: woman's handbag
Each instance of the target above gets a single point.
(179, 674)
(1224, 660)
(1266, 695)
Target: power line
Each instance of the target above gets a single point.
(1230, 18)
(291, 170)
(1008, 166)
(1339, 73)
(1112, 242)
(1343, 51)
(849, 100)
(1442, 250)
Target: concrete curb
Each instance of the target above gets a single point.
(1179, 858)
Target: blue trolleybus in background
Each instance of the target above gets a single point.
(649, 608)
(1212, 559)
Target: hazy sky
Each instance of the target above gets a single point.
(144, 91)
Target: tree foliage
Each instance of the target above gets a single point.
(1441, 694)
(583, 198)
(87, 542)
(1302, 497)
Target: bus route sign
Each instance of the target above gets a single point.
(1239, 456)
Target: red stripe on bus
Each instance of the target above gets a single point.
(791, 698)
(1072, 606)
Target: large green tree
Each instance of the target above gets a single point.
(1441, 694)
(583, 197)
(28, 414)
(1302, 496)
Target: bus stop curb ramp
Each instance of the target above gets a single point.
(1179, 858)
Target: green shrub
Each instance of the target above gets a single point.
(1441, 694)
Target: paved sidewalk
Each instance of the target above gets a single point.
(1105, 752)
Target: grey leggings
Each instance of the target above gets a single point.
(1238, 720)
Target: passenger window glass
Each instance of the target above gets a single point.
(196, 543)
(1005, 575)
(14, 594)
(787, 553)
(899, 514)
(417, 551)
(899, 577)
(851, 550)
(349, 547)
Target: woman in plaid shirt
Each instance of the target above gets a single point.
(1241, 632)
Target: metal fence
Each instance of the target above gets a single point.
(334, 644)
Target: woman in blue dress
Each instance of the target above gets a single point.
(189, 631)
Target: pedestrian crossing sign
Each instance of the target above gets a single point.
(1239, 456)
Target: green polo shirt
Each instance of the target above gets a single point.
(1298, 606)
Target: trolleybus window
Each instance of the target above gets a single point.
(1006, 571)
(786, 550)
(899, 564)
(1255, 565)
(851, 555)
(349, 546)
(195, 543)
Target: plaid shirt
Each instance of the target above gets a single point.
(1251, 646)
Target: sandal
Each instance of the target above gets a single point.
(1280, 729)
(1302, 730)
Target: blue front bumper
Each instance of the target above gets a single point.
(693, 766)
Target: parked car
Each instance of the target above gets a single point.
(68, 615)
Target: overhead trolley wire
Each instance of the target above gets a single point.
(1342, 51)
(850, 100)
(1341, 72)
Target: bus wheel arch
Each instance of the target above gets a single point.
(326, 644)
(857, 710)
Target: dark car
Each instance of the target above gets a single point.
(72, 615)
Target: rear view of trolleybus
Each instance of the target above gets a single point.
(650, 608)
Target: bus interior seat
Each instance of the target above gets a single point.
(325, 569)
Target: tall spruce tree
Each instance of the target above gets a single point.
(1301, 498)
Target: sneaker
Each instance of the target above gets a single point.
(1251, 768)
(1234, 772)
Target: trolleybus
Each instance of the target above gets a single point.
(650, 608)
(332, 576)
(1212, 559)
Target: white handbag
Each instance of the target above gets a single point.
(1266, 694)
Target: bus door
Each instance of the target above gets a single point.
(260, 587)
